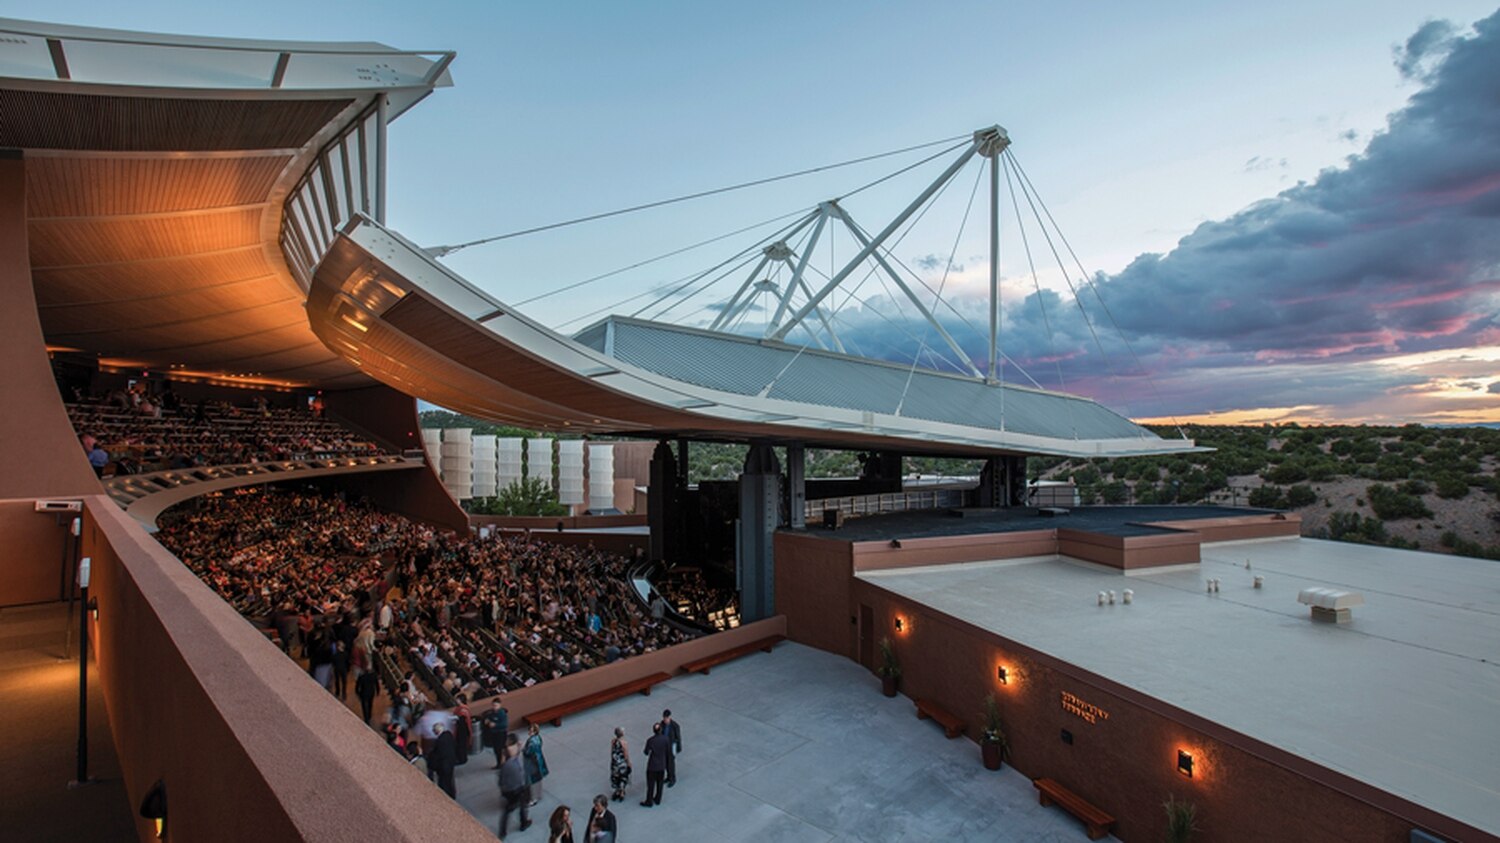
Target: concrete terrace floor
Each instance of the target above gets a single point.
(39, 739)
(797, 745)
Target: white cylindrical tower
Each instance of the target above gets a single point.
(484, 466)
(570, 471)
(539, 460)
(458, 462)
(507, 462)
(601, 478)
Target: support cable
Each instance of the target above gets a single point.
(1087, 279)
(1036, 284)
(963, 224)
(443, 251)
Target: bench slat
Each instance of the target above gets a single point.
(952, 726)
(1096, 821)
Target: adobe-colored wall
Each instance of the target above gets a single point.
(1240, 527)
(31, 563)
(524, 701)
(391, 416)
(813, 578)
(942, 550)
(1129, 552)
(249, 747)
(1124, 763)
(39, 453)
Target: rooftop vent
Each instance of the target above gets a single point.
(1330, 605)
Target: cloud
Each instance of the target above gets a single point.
(1294, 299)
(1426, 47)
(1350, 135)
(1261, 162)
(1494, 388)
(935, 263)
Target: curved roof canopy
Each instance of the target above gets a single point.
(386, 306)
(157, 167)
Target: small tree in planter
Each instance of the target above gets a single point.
(889, 669)
(992, 744)
(1182, 820)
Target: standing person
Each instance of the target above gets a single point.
(513, 788)
(602, 826)
(415, 758)
(340, 660)
(657, 749)
(673, 730)
(536, 763)
(463, 729)
(560, 827)
(619, 765)
(493, 729)
(364, 688)
(443, 758)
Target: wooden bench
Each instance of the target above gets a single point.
(1096, 821)
(952, 726)
(702, 665)
(556, 713)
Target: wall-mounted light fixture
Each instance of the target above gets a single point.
(900, 625)
(154, 807)
(1185, 763)
(1003, 675)
(94, 607)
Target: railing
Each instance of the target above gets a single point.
(857, 505)
(347, 177)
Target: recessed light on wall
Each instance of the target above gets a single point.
(1185, 763)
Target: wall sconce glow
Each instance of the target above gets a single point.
(154, 807)
(1185, 763)
(94, 607)
(900, 625)
(1003, 675)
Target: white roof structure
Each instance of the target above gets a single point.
(1402, 697)
(388, 307)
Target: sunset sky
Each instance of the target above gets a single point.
(1291, 211)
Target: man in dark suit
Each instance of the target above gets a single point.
(673, 732)
(443, 758)
(493, 727)
(658, 750)
(364, 688)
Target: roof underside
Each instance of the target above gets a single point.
(745, 366)
(388, 307)
(156, 167)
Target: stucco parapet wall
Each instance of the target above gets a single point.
(330, 776)
(553, 692)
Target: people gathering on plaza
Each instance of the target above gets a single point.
(432, 619)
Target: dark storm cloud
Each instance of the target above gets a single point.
(1495, 388)
(1396, 252)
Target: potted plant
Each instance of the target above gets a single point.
(1182, 820)
(992, 744)
(889, 669)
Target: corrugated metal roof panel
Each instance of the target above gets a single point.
(747, 367)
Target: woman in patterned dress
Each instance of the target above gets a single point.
(619, 765)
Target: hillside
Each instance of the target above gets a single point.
(1413, 486)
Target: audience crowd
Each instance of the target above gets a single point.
(445, 618)
(132, 431)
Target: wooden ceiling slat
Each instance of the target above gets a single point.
(59, 287)
(85, 187)
(97, 241)
(50, 120)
